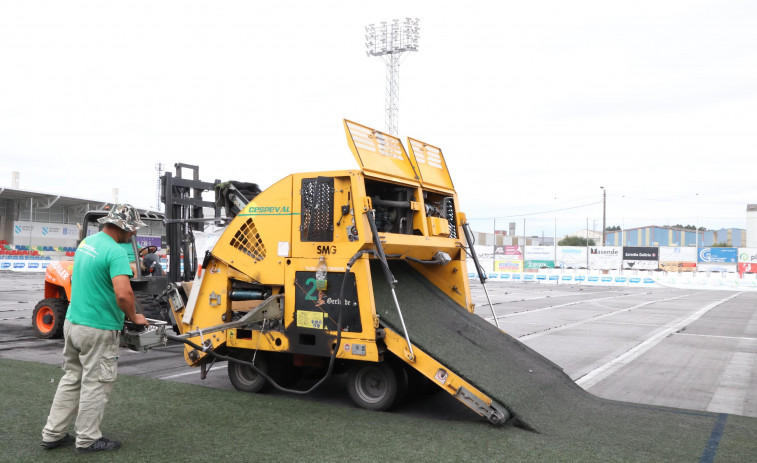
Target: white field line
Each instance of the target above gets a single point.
(187, 373)
(736, 338)
(550, 296)
(598, 374)
(527, 312)
(594, 319)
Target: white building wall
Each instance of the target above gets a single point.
(751, 225)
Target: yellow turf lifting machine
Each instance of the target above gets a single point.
(302, 281)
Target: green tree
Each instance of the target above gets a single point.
(575, 241)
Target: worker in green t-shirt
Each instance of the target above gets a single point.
(101, 296)
(129, 248)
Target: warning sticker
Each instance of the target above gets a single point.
(307, 319)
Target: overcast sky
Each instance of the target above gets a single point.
(534, 104)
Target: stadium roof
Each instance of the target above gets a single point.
(47, 200)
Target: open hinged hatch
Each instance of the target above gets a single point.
(430, 164)
(380, 153)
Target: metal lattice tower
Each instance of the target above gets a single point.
(390, 42)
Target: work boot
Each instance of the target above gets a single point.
(65, 440)
(100, 445)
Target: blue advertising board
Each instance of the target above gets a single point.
(718, 255)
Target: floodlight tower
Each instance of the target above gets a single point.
(390, 41)
(159, 168)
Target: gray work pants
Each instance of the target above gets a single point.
(90, 357)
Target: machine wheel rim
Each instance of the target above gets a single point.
(41, 325)
(247, 375)
(371, 385)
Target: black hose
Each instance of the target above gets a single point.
(380, 251)
(390, 203)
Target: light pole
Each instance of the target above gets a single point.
(604, 214)
(390, 42)
(159, 168)
(696, 232)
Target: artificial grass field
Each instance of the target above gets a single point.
(161, 421)
(164, 421)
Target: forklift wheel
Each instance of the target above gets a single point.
(48, 318)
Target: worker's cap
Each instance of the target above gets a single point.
(124, 216)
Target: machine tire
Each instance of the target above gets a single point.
(374, 386)
(244, 378)
(48, 317)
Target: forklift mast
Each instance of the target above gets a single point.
(182, 196)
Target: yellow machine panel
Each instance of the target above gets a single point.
(431, 164)
(258, 241)
(379, 153)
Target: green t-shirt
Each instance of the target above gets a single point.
(129, 250)
(93, 301)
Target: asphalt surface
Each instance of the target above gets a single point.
(694, 350)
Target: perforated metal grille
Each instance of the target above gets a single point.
(449, 209)
(247, 239)
(317, 209)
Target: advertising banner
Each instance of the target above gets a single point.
(144, 241)
(678, 266)
(640, 257)
(507, 253)
(508, 259)
(571, 257)
(747, 260)
(678, 259)
(25, 265)
(748, 255)
(605, 257)
(536, 264)
(718, 267)
(22, 230)
(718, 255)
(508, 266)
(539, 253)
(747, 267)
(535, 257)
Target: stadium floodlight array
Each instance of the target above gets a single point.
(390, 42)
